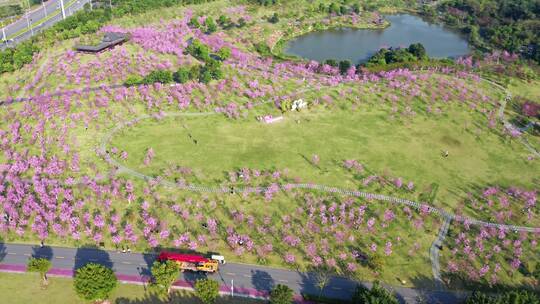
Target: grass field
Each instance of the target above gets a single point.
(60, 290)
(409, 149)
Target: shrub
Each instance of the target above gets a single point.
(376, 295)
(210, 25)
(133, 80)
(94, 282)
(281, 294)
(274, 19)
(344, 66)
(198, 50)
(207, 290)
(224, 53)
(182, 75)
(512, 296)
(158, 76)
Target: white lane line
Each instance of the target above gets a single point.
(127, 263)
(11, 253)
(230, 273)
(142, 264)
(27, 254)
(60, 257)
(284, 281)
(247, 275)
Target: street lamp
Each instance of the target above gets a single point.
(29, 25)
(63, 10)
(44, 8)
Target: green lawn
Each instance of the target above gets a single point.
(411, 149)
(60, 290)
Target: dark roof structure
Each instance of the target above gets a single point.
(109, 40)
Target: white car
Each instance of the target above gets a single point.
(219, 258)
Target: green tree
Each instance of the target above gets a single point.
(356, 8)
(210, 25)
(333, 8)
(331, 62)
(375, 262)
(194, 22)
(519, 297)
(182, 75)
(224, 53)
(164, 274)
(194, 72)
(376, 295)
(199, 50)
(418, 50)
(133, 80)
(158, 76)
(480, 298)
(207, 290)
(344, 66)
(94, 282)
(281, 294)
(223, 20)
(274, 19)
(41, 266)
(241, 22)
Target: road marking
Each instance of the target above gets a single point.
(127, 263)
(247, 275)
(230, 273)
(60, 257)
(27, 254)
(284, 281)
(142, 264)
(12, 253)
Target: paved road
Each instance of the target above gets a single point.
(51, 9)
(259, 279)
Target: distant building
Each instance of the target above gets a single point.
(109, 40)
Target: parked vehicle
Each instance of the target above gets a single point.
(193, 262)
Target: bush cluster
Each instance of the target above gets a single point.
(83, 22)
(414, 52)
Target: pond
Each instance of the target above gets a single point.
(358, 45)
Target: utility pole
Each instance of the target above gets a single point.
(63, 10)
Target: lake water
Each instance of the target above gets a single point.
(358, 45)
